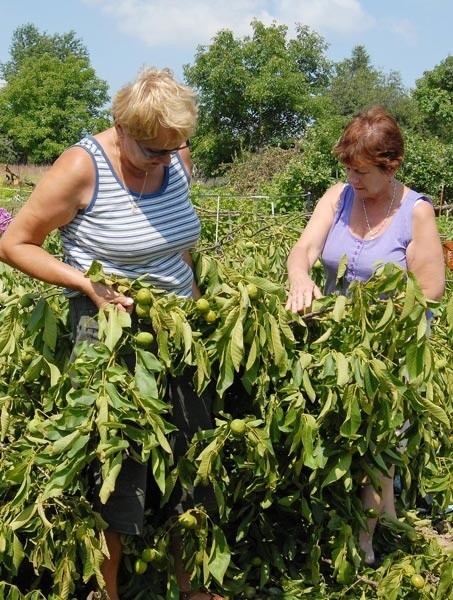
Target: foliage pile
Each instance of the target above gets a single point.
(306, 405)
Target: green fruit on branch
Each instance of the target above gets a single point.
(253, 291)
(149, 555)
(371, 513)
(143, 296)
(188, 520)
(210, 317)
(345, 575)
(26, 356)
(26, 300)
(417, 581)
(238, 428)
(202, 305)
(142, 311)
(140, 566)
(144, 339)
(412, 535)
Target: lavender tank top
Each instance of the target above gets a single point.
(364, 256)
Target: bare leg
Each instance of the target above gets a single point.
(382, 501)
(110, 566)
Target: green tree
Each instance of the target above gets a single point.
(356, 85)
(312, 170)
(52, 95)
(434, 96)
(428, 166)
(255, 92)
(27, 42)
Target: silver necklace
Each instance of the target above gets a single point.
(373, 233)
(135, 201)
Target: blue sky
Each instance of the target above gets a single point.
(407, 36)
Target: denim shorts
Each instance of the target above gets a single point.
(189, 412)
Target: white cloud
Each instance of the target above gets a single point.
(405, 29)
(179, 23)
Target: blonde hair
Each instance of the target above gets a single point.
(372, 137)
(153, 101)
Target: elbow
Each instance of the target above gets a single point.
(5, 255)
(2, 252)
(436, 293)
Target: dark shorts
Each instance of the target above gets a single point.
(124, 510)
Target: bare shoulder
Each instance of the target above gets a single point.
(186, 159)
(331, 197)
(70, 179)
(423, 209)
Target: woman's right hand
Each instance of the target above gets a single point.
(302, 291)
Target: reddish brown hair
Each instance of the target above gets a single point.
(373, 137)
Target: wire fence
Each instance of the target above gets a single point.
(233, 212)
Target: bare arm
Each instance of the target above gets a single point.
(195, 289)
(307, 250)
(424, 253)
(65, 188)
(187, 160)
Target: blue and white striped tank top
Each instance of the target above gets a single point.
(132, 238)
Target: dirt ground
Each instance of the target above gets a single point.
(442, 532)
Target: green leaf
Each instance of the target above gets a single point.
(342, 369)
(146, 382)
(342, 464)
(435, 412)
(323, 338)
(159, 469)
(111, 323)
(409, 299)
(108, 485)
(96, 272)
(278, 348)
(62, 444)
(205, 460)
(220, 555)
(237, 344)
(307, 386)
(389, 314)
(37, 317)
(24, 517)
(17, 551)
(339, 308)
(50, 332)
(353, 420)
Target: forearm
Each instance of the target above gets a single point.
(38, 263)
(195, 289)
(302, 289)
(299, 263)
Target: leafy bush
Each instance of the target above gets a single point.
(306, 404)
(428, 167)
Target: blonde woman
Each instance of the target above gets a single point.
(121, 197)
